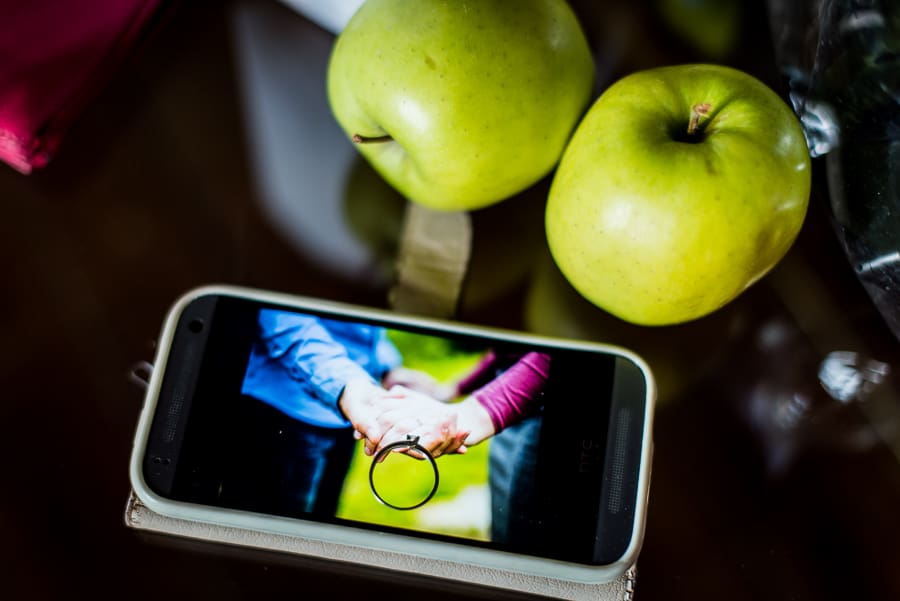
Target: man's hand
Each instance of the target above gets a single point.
(362, 401)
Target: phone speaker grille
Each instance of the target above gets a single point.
(176, 405)
(620, 453)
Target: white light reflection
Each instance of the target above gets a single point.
(846, 375)
(880, 262)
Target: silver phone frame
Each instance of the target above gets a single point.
(389, 550)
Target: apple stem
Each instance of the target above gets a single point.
(698, 112)
(358, 139)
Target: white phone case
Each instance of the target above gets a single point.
(141, 517)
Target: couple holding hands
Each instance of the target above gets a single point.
(338, 382)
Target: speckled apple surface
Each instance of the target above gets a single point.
(478, 98)
(657, 226)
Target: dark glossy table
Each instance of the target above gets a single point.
(189, 169)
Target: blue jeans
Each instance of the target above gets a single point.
(284, 466)
(512, 468)
(316, 467)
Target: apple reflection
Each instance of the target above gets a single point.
(373, 212)
(679, 356)
(507, 239)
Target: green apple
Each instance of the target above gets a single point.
(459, 105)
(681, 187)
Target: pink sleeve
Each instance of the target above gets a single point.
(514, 393)
(482, 374)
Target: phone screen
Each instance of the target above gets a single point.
(249, 418)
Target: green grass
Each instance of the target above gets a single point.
(409, 480)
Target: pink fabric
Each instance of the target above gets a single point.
(514, 393)
(482, 374)
(54, 56)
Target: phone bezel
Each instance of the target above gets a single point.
(430, 557)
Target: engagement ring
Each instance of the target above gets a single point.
(411, 444)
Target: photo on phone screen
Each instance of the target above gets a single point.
(268, 430)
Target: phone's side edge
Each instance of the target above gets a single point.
(630, 556)
(151, 396)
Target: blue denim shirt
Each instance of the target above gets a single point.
(300, 363)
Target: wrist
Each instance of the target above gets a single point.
(355, 394)
(472, 417)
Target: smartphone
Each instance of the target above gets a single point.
(247, 423)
